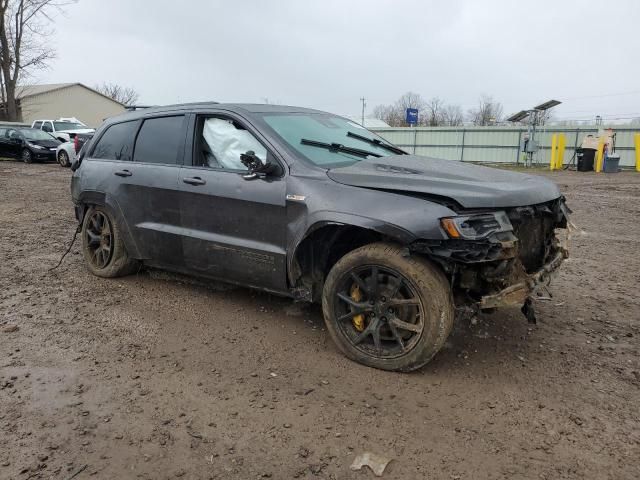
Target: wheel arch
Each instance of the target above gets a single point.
(88, 199)
(326, 241)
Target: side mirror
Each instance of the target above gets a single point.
(256, 168)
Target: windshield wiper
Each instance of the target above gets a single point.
(377, 143)
(337, 147)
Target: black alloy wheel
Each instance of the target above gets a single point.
(379, 311)
(99, 239)
(386, 309)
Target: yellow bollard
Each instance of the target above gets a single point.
(637, 138)
(600, 155)
(554, 145)
(562, 143)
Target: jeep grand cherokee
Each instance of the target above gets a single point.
(314, 206)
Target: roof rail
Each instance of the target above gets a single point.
(132, 108)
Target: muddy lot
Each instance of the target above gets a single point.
(158, 376)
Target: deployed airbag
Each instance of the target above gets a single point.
(226, 142)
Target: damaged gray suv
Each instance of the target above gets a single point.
(313, 206)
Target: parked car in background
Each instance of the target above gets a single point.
(314, 206)
(62, 129)
(67, 152)
(72, 119)
(28, 144)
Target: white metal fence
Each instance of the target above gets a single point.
(498, 144)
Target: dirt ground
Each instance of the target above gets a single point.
(158, 376)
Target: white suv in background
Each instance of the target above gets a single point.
(64, 129)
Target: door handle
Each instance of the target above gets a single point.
(194, 181)
(123, 173)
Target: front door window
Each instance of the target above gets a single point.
(222, 142)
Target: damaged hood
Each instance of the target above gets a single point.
(472, 186)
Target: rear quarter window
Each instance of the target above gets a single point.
(117, 142)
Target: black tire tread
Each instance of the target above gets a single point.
(121, 264)
(431, 283)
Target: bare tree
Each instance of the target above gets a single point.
(394, 114)
(545, 117)
(434, 112)
(124, 95)
(488, 112)
(24, 31)
(452, 116)
(386, 113)
(410, 100)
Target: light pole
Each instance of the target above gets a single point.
(531, 144)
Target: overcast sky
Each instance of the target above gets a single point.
(327, 54)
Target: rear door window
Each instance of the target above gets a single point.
(117, 142)
(161, 140)
(37, 125)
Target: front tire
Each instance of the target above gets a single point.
(387, 310)
(27, 156)
(63, 158)
(102, 245)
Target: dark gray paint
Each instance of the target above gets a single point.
(246, 231)
(472, 186)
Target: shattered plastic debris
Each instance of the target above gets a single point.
(377, 463)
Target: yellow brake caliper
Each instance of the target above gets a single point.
(356, 296)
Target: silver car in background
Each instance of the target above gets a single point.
(67, 152)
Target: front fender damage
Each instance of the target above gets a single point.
(518, 293)
(509, 268)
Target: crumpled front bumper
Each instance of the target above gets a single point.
(517, 294)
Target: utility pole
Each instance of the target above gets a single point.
(364, 104)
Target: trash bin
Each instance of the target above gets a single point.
(612, 163)
(585, 164)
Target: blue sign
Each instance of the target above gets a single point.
(412, 116)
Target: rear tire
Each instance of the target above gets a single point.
(27, 157)
(403, 311)
(103, 247)
(63, 158)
